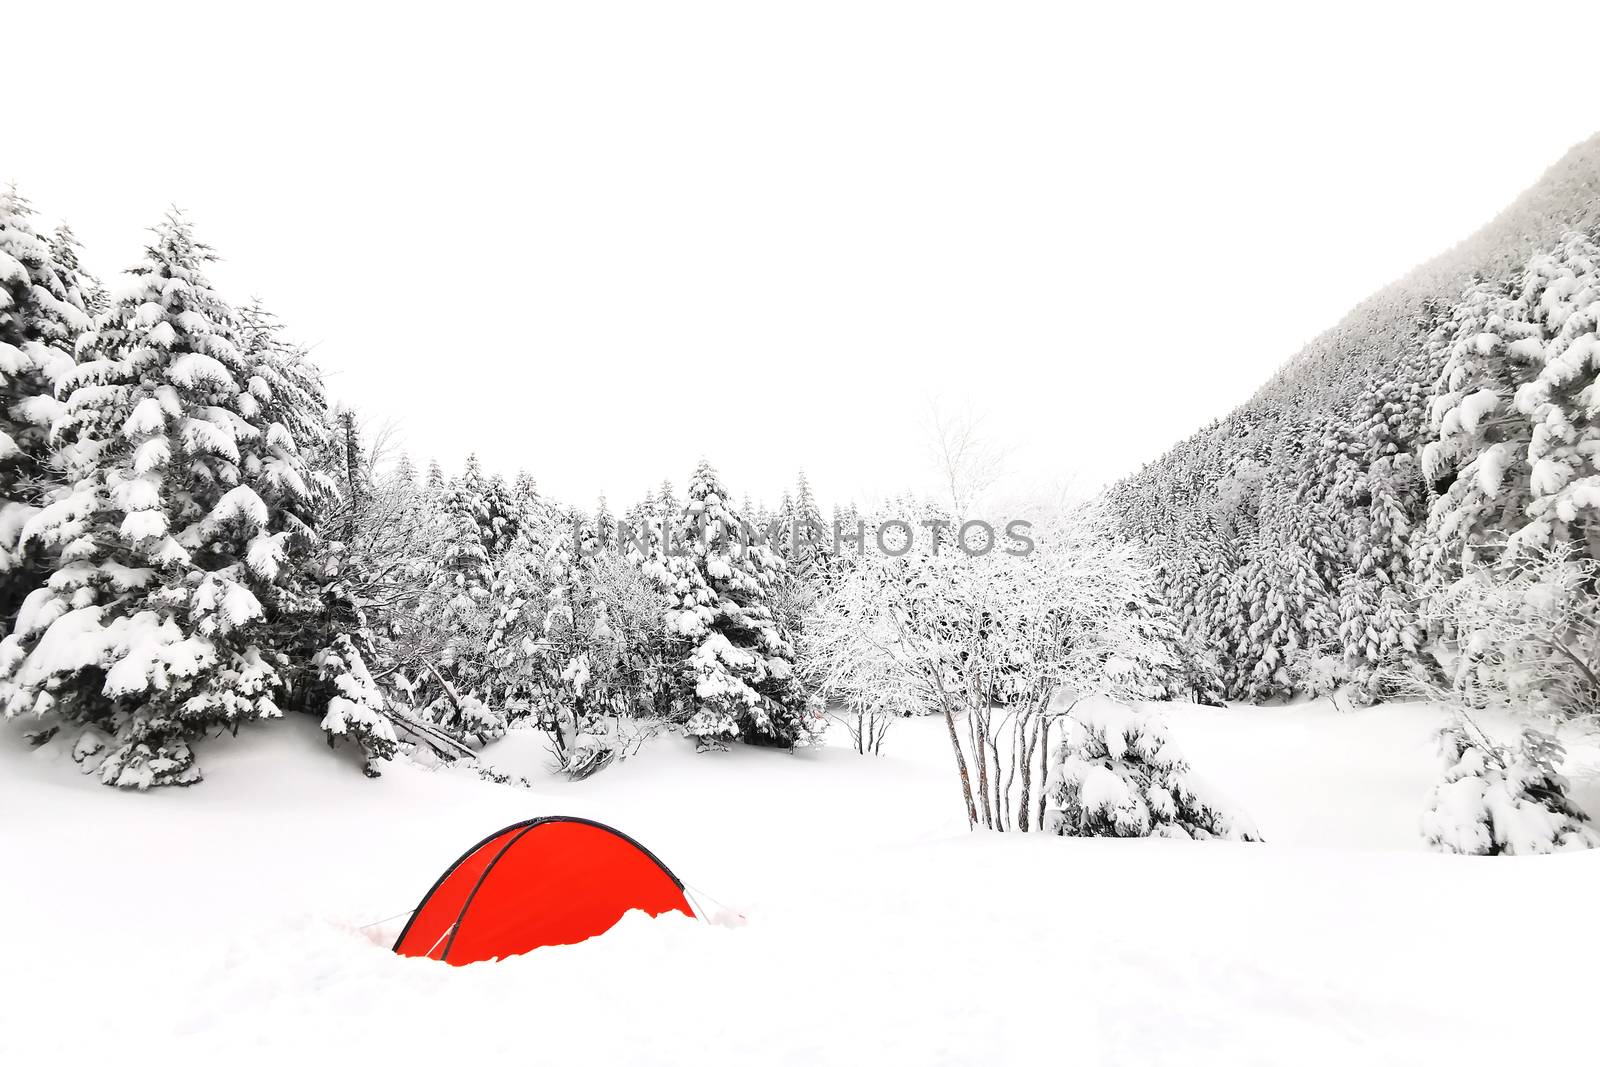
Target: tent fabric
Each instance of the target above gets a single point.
(555, 880)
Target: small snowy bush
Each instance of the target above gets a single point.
(1497, 800)
(1120, 775)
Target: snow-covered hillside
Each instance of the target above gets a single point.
(876, 928)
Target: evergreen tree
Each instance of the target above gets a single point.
(326, 630)
(1561, 297)
(811, 538)
(91, 295)
(529, 510)
(404, 475)
(1478, 460)
(605, 526)
(42, 313)
(1378, 624)
(735, 656)
(784, 535)
(472, 525)
(502, 517)
(189, 504)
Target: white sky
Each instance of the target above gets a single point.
(601, 239)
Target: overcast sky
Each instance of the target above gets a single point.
(599, 240)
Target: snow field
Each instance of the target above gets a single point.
(226, 923)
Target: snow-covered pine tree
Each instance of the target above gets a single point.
(567, 629)
(810, 536)
(42, 313)
(525, 490)
(91, 295)
(1293, 606)
(638, 518)
(503, 517)
(1561, 295)
(667, 506)
(605, 526)
(783, 534)
(515, 663)
(1119, 774)
(1194, 581)
(190, 501)
(1478, 460)
(736, 657)
(1231, 621)
(536, 527)
(845, 519)
(323, 619)
(1379, 628)
(1378, 624)
(351, 469)
(460, 611)
(664, 691)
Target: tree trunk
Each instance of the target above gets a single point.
(980, 751)
(1030, 736)
(994, 756)
(961, 764)
(1044, 765)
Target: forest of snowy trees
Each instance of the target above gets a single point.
(192, 537)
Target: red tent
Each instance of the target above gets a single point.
(556, 880)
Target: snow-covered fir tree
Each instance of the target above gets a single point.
(42, 314)
(189, 504)
(473, 517)
(1378, 624)
(605, 526)
(1479, 456)
(809, 537)
(736, 659)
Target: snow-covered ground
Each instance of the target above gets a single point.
(228, 923)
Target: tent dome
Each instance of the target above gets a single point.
(555, 880)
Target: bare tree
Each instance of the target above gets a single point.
(965, 457)
(991, 642)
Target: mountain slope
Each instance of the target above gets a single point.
(1299, 536)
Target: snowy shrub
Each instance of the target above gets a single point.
(1497, 800)
(589, 745)
(1119, 774)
